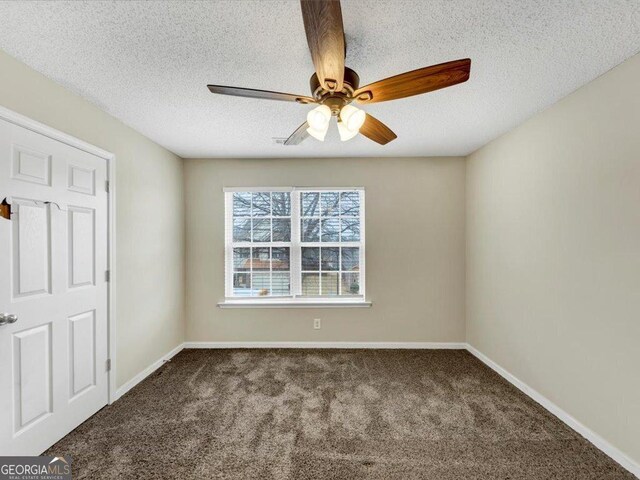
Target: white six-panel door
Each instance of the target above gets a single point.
(53, 259)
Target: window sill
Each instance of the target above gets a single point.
(294, 304)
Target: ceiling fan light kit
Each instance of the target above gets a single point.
(334, 87)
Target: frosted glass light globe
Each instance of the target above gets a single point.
(345, 133)
(318, 118)
(352, 117)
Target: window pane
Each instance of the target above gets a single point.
(261, 259)
(281, 230)
(326, 216)
(330, 230)
(261, 284)
(241, 230)
(310, 230)
(350, 259)
(280, 284)
(262, 230)
(261, 204)
(309, 205)
(280, 258)
(350, 204)
(310, 283)
(350, 230)
(329, 284)
(350, 284)
(330, 204)
(330, 258)
(241, 259)
(242, 284)
(310, 258)
(281, 204)
(242, 204)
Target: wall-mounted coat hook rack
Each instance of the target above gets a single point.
(5, 209)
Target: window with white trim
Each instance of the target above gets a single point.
(294, 243)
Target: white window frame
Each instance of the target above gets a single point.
(295, 299)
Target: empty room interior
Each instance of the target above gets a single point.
(320, 239)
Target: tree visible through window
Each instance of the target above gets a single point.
(295, 243)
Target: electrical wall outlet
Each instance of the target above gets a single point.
(317, 324)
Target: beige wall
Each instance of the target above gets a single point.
(415, 250)
(553, 254)
(150, 229)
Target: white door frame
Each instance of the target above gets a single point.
(37, 127)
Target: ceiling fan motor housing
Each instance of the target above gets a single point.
(335, 100)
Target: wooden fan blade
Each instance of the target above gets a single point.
(377, 131)
(325, 36)
(298, 136)
(265, 94)
(415, 82)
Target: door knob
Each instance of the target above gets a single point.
(7, 318)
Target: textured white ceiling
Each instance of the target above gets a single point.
(148, 64)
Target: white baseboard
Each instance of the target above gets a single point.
(381, 345)
(145, 373)
(600, 443)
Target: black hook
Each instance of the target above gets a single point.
(5, 209)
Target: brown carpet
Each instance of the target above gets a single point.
(329, 414)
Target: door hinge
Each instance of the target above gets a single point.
(107, 275)
(106, 186)
(108, 364)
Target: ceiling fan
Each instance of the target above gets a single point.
(334, 87)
